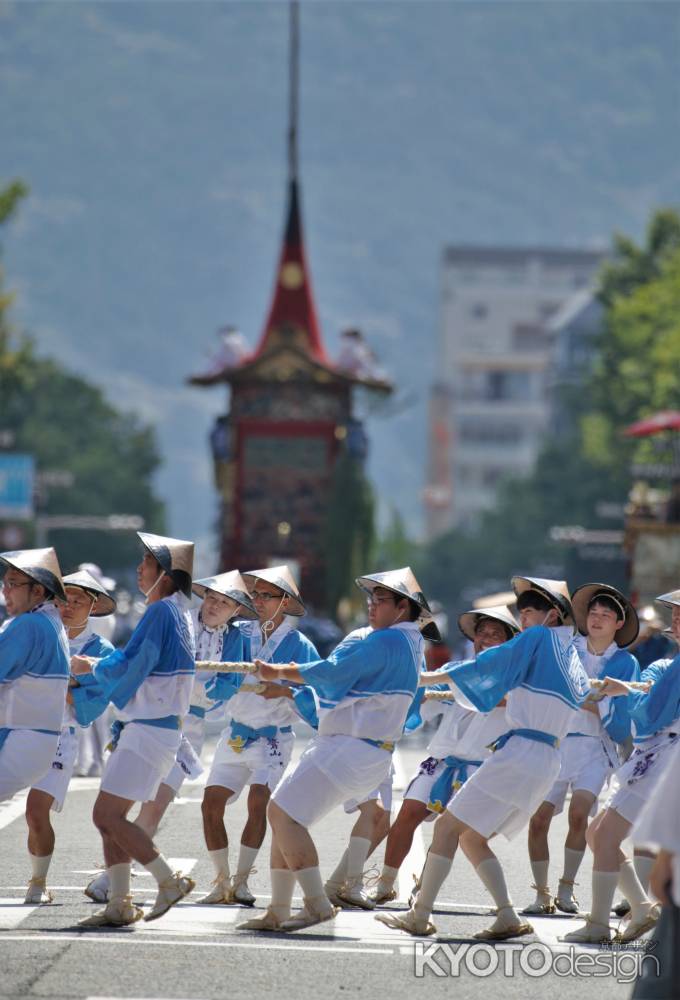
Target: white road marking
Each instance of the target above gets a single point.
(12, 809)
(13, 912)
(185, 865)
(144, 940)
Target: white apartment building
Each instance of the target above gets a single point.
(490, 403)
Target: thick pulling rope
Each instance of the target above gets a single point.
(227, 667)
(596, 686)
(595, 695)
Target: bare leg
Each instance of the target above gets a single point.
(151, 813)
(214, 803)
(539, 857)
(604, 836)
(256, 825)
(445, 836)
(298, 850)
(40, 831)
(574, 849)
(293, 840)
(400, 838)
(40, 844)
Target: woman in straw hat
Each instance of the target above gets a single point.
(85, 599)
(365, 690)
(33, 668)
(607, 624)
(257, 743)
(655, 713)
(541, 674)
(457, 749)
(149, 682)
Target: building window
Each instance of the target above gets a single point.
(486, 433)
(528, 337)
(547, 309)
(504, 385)
(492, 476)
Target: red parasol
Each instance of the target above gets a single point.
(667, 420)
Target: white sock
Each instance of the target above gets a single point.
(433, 876)
(572, 863)
(220, 860)
(246, 860)
(491, 874)
(539, 870)
(160, 869)
(643, 868)
(311, 884)
(388, 876)
(40, 866)
(356, 857)
(632, 890)
(283, 884)
(340, 873)
(119, 880)
(604, 887)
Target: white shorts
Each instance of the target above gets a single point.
(193, 728)
(638, 777)
(503, 794)
(140, 762)
(420, 785)
(383, 793)
(55, 782)
(585, 767)
(263, 763)
(331, 770)
(24, 758)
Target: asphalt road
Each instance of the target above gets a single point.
(195, 953)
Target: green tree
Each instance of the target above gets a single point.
(66, 423)
(394, 548)
(350, 532)
(632, 265)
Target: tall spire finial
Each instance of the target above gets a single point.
(294, 79)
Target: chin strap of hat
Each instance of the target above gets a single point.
(398, 617)
(268, 626)
(149, 592)
(560, 615)
(83, 623)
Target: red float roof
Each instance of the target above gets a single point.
(293, 301)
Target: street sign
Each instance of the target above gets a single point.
(17, 478)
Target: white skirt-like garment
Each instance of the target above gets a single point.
(503, 794)
(24, 759)
(332, 770)
(56, 780)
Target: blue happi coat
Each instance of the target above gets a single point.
(540, 673)
(659, 708)
(366, 686)
(615, 712)
(294, 647)
(152, 676)
(34, 667)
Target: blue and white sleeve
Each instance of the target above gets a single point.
(481, 683)
(122, 672)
